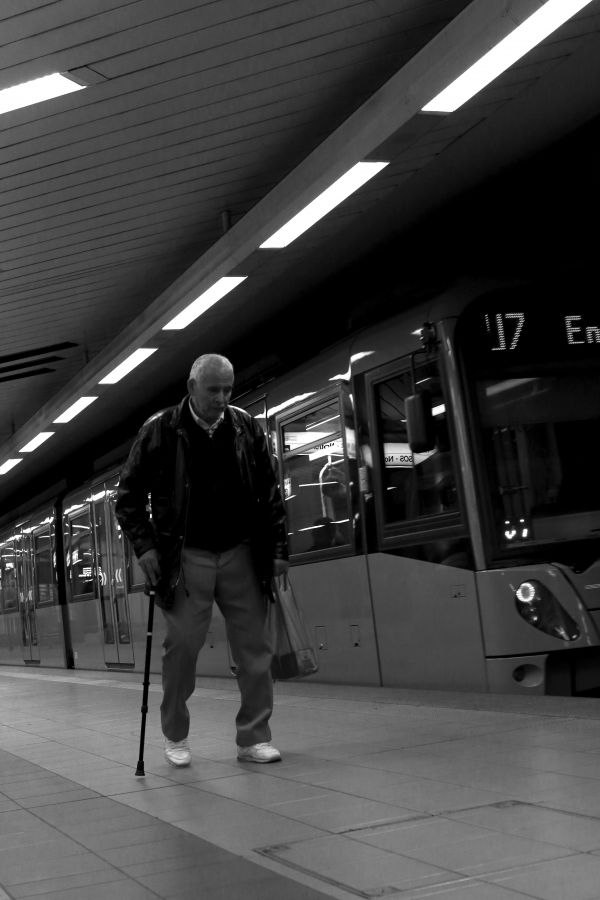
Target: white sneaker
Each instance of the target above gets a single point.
(178, 753)
(259, 753)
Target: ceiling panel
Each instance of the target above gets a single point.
(108, 194)
(204, 115)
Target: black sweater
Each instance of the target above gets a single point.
(219, 512)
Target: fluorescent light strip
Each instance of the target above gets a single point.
(8, 465)
(532, 31)
(349, 182)
(198, 306)
(19, 95)
(36, 441)
(75, 409)
(123, 369)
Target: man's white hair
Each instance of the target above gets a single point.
(206, 361)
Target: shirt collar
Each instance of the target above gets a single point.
(209, 427)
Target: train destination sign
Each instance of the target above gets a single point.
(505, 328)
(514, 327)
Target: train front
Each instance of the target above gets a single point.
(531, 370)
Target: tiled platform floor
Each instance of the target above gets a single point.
(381, 793)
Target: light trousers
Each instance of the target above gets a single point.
(229, 579)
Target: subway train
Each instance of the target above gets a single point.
(443, 503)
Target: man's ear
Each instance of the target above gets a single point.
(190, 385)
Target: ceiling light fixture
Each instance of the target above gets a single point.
(123, 369)
(349, 182)
(19, 95)
(75, 409)
(8, 465)
(36, 441)
(207, 299)
(532, 31)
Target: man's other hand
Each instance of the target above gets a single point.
(280, 573)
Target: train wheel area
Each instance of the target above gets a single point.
(381, 791)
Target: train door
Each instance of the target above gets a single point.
(96, 593)
(81, 582)
(328, 572)
(110, 581)
(420, 568)
(10, 625)
(27, 610)
(45, 610)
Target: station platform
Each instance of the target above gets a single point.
(380, 793)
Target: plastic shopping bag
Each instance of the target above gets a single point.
(293, 653)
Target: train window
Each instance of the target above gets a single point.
(540, 438)
(316, 484)
(80, 558)
(45, 576)
(128, 572)
(8, 576)
(414, 485)
(22, 566)
(532, 360)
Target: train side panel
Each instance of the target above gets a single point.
(335, 601)
(427, 622)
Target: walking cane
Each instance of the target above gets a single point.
(140, 765)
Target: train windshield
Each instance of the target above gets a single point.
(535, 372)
(540, 433)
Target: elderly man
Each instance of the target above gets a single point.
(216, 533)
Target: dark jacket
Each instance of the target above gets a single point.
(158, 466)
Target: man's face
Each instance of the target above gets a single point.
(211, 391)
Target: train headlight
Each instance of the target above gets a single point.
(540, 608)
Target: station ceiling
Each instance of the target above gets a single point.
(203, 127)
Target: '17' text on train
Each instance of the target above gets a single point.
(506, 328)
